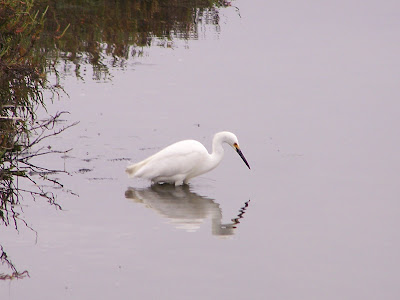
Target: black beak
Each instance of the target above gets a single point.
(242, 156)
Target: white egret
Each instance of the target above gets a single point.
(180, 162)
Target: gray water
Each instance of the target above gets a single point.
(311, 89)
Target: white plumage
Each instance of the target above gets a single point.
(180, 162)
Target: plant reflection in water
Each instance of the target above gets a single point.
(184, 208)
(11, 272)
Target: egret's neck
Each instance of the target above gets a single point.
(217, 151)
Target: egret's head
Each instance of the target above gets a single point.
(232, 140)
(229, 138)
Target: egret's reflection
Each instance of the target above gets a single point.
(185, 209)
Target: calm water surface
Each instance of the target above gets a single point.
(310, 89)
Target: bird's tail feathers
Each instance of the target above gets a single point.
(133, 169)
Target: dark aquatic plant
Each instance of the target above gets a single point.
(21, 73)
(22, 82)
